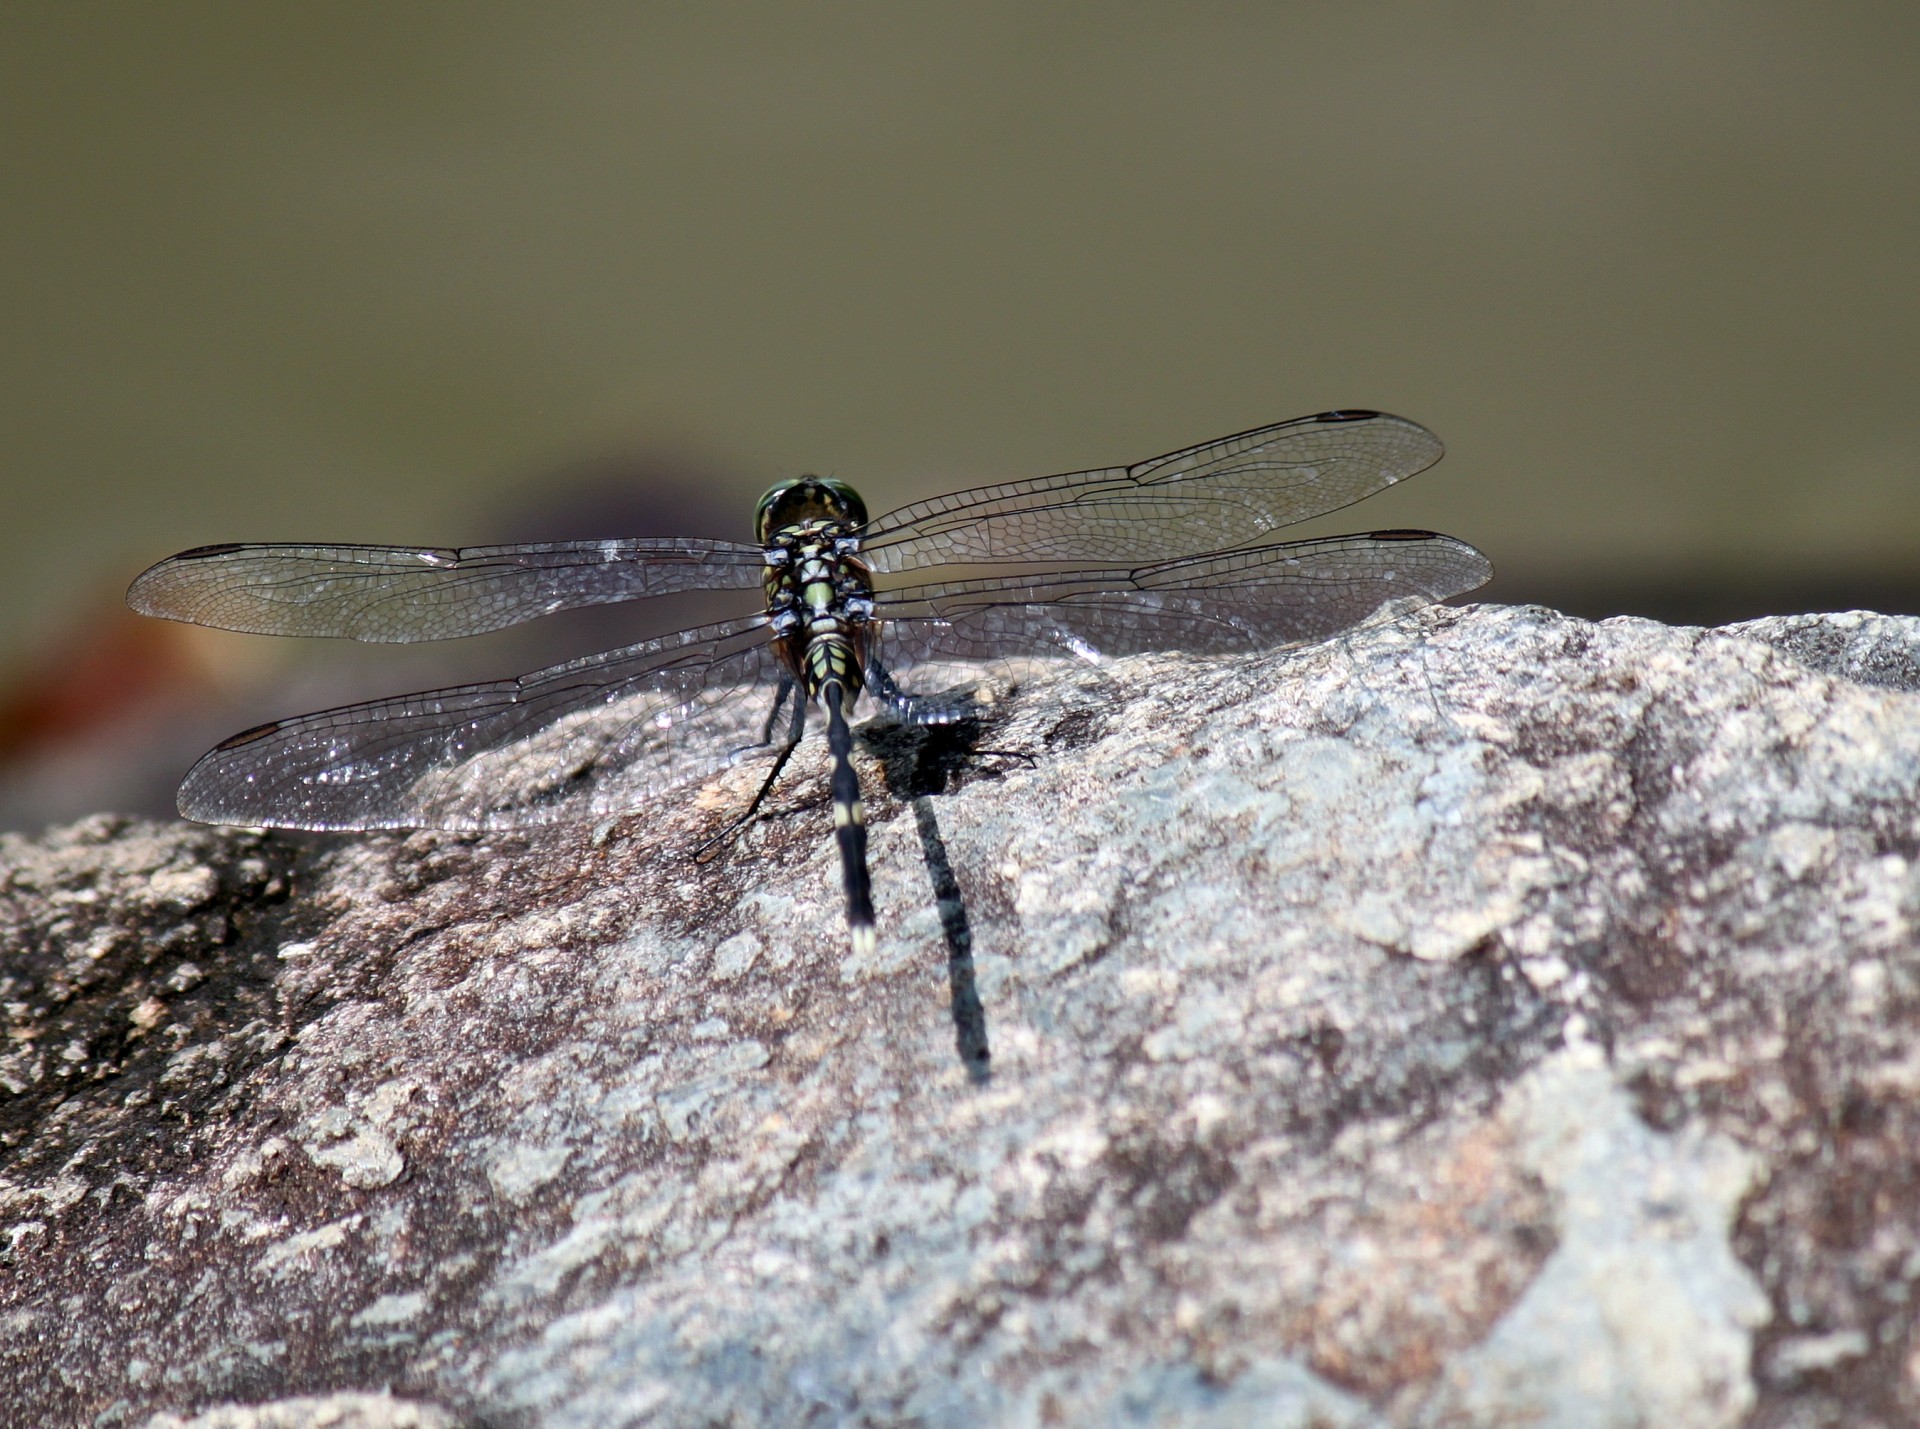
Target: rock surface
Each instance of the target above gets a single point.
(1488, 1018)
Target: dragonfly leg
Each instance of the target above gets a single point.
(773, 715)
(765, 741)
(795, 730)
(849, 820)
(915, 709)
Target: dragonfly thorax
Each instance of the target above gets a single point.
(819, 601)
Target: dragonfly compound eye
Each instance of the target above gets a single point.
(805, 499)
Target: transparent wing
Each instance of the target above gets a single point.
(406, 593)
(1211, 604)
(1212, 497)
(601, 735)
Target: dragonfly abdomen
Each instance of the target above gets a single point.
(849, 820)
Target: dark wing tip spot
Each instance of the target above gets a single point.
(1402, 535)
(200, 553)
(248, 736)
(1347, 414)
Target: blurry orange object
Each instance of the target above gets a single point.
(109, 666)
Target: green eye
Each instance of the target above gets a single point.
(852, 509)
(807, 498)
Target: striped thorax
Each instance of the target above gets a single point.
(819, 591)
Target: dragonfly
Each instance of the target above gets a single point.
(1171, 554)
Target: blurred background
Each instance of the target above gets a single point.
(450, 273)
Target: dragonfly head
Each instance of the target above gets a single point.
(804, 499)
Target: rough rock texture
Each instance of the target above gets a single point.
(1486, 1019)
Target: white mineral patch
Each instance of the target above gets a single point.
(391, 1310)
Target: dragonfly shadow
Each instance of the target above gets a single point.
(920, 762)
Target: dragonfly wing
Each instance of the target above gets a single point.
(1217, 603)
(597, 736)
(407, 593)
(1221, 494)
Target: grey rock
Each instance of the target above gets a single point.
(1856, 645)
(332, 1411)
(1488, 1018)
